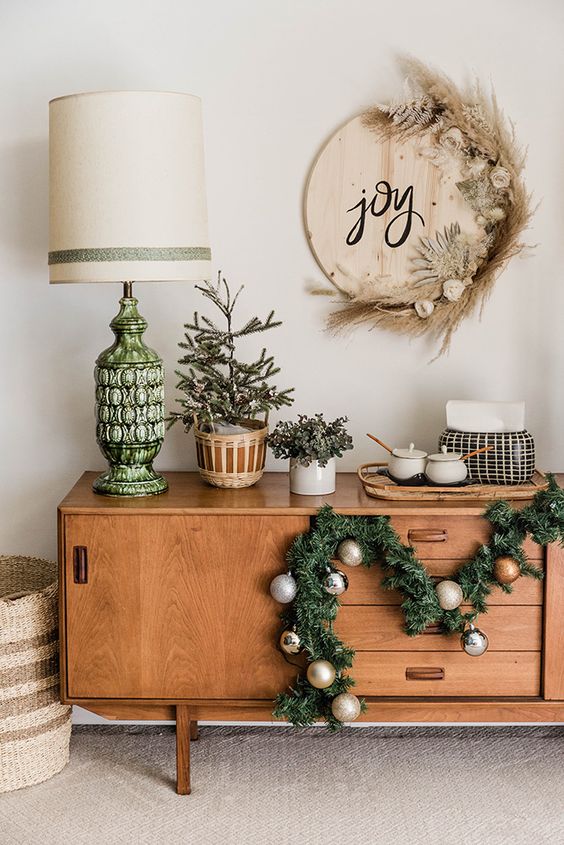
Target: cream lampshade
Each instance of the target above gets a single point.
(127, 203)
(127, 191)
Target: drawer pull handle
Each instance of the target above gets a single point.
(427, 535)
(424, 673)
(433, 628)
(80, 564)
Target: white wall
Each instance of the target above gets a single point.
(276, 79)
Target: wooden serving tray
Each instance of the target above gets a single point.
(381, 487)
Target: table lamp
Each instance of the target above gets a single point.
(127, 203)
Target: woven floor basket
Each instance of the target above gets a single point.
(34, 727)
(232, 460)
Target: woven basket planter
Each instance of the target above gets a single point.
(232, 460)
(34, 727)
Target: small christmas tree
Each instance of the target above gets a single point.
(218, 388)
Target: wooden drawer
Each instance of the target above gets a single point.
(455, 537)
(365, 585)
(495, 673)
(366, 628)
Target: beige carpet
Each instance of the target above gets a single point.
(273, 786)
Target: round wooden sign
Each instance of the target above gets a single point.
(369, 201)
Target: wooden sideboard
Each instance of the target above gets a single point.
(166, 612)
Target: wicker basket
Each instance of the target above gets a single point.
(34, 727)
(232, 460)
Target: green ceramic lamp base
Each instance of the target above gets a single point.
(130, 481)
(129, 408)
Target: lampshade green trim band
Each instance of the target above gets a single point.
(134, 253)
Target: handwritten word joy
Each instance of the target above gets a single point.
(384, 199)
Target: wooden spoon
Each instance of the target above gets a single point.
(383, 445)
(476, 452)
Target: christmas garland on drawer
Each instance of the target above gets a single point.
(311, 587)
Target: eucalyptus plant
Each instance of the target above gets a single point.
(310, 439)
(219, 387)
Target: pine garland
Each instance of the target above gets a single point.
(314, 611)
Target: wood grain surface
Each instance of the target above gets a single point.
(553, 676)
(366, 628)
(365, 585)
(188, 494)
(515, 709)
(495, 673)
(348, 168)
(176, 609)
(183, 731)
(176, 606)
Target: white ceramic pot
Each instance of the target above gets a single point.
(446, 468)
(312, 480)
(405, 463)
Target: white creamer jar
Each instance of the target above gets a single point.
(405, 463)
(446, 468)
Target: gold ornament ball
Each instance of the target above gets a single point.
(345, 707)
(449, 594)
(321, 674)
(506, 570)
(349, 552)
(335, 583)
(473, 641)
(290, 642)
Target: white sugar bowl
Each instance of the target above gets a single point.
(405, 463)
(446, 468)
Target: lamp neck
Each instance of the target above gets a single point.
(128, 290)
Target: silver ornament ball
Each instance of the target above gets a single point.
(449, 594)
(473, 641)
(345, 707)
(349, 553)
(290, 642)
(283, 588)
(335, 583)
(321, 674)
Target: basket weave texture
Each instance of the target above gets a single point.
(232, 460)
(34, 726)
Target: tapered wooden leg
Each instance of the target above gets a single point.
(194, 734)
(183, 731)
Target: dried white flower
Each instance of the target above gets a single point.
(481, 220)
(451, 254)
(475, 166)
(424, 308)
(453, 289)
(496, 213)
(436, 155)
(452, 139)
(500, 178)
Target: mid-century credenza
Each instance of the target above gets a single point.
(166, 611)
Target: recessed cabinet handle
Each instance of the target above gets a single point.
(426, 535)
(424, 673)
(80, 564)
(433, 628)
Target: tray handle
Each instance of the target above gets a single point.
(362, 471)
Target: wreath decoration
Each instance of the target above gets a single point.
(312, 603)
(452, 272)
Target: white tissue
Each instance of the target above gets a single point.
(467, 415)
